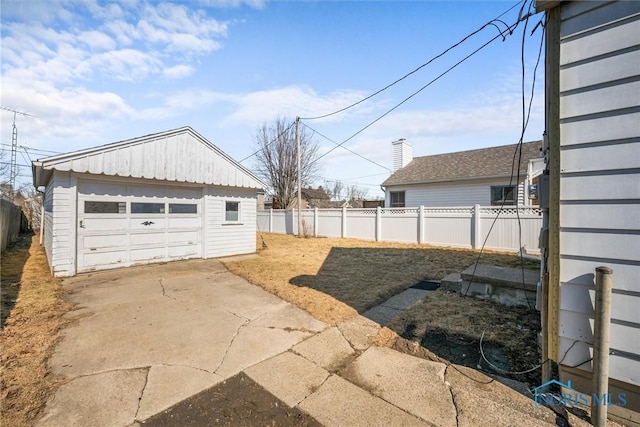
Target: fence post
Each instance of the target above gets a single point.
(344, 222)
(421, 225)
(475, 218)
(271, 220)
(294, 224)
(602, 319)
(315, 222)
(378, 223)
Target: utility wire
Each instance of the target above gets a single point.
(490, 23)
(346, 148)
(513, 27)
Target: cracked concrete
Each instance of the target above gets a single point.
(133, 351)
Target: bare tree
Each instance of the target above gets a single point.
(276, 159)
(356, 193)
(334, 189)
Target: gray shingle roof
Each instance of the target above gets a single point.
(481, 163)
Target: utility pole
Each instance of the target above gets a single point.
(13, 173)
(299, 176)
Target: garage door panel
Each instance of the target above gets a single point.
(148, 254)
(125, 224)
(184, 222)
(103, 259)
(183, 251)
(91, 224)
(183, 237)
(148, 223)
(101, 241)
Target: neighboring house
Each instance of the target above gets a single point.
(593, 125)
(312, 198)
(466, 178)
(166, 196)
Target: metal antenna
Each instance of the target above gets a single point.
(14, 147)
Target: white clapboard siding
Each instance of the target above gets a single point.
(223, 238)
(600, 177)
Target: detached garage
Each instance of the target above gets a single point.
(167, 196)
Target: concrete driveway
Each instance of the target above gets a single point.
(145, 338)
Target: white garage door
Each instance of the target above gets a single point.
(125, 224)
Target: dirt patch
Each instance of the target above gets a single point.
(335, 278)
(451, 326)
(33, 318)
(238, 401)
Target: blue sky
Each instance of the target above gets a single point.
(95, 72)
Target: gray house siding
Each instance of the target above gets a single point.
(599, 204)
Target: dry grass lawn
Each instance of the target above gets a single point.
(334, 279)
(32, 310)
(358, 274)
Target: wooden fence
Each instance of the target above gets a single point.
(10, 218)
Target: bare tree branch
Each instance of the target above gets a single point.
(276, 160)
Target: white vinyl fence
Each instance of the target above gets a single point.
(465, 227)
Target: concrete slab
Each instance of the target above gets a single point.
(289, 377)
(104, 399)
(252, 345)
(329, 349)
(189, 324)
(412, 384)
(358, 330)
(339, 403)
(382, 314)
(168, 385)
(502, 276)
(406, 298)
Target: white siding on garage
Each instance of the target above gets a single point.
(224, 238)
(59, 240)
(600, 178)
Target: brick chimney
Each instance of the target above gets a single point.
(402, 153)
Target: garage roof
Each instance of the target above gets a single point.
(180, 155)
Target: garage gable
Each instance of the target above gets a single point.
(179, 155)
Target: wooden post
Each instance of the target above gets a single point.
(601, 320)
(299, 155)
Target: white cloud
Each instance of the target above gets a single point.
(178, 71)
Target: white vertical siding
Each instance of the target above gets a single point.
(223, 238)
(600, 177)
(60, 225)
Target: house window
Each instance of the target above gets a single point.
(232, 211)
(147, 208)
(94, 207)
(397, 199)
(503, 194)
(183, 208)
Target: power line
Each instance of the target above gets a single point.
(32, 149)
(346, 148)
(490, 23)
(511, 28)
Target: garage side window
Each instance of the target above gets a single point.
(183, 208)
(232, 211)
(147, 208)
(93, 207)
